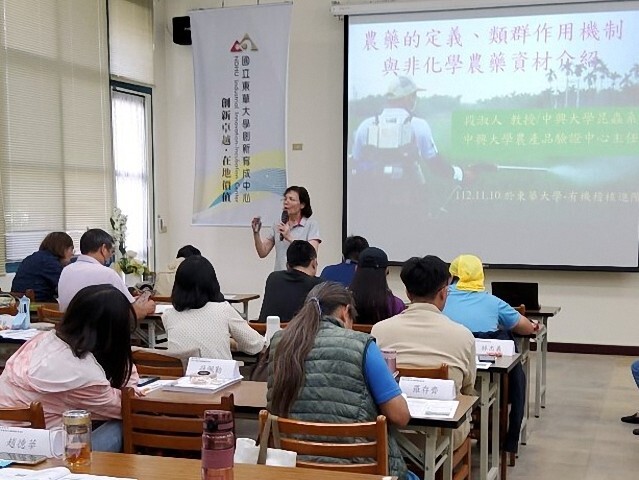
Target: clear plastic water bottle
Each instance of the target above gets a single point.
(218, 445)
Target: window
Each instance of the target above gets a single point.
(56, 170)
(131, 113)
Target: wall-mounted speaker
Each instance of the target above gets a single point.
(182, 30)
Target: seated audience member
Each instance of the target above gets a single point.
(634, 418)
(318, 348)
(164, 280)
(81, 365)
(202, 318)
(92, 268)
(41, 270)
(286, 290)
(423, 336)
(343, 272)
(373, 298)
(490, 317)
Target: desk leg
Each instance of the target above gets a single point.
(539, 361)
(447, 467)
(494, 464)
(503, 425)
(544, 352)
(524, 427)
(152, 341)
(484, 406)
(244, 312)
(430, 453)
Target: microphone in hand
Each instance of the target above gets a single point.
(284, 219)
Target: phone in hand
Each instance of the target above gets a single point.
(23, 458)
(144, 296)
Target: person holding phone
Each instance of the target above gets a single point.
(296, 224)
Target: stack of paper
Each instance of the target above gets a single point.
(19, 334)
(429, 398)
(206, 375)
(56, 473)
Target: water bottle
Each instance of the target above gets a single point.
(218, 445)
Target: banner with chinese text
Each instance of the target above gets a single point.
(240, 60)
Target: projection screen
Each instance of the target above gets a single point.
(510, 133)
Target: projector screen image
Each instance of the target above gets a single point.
(510, 133)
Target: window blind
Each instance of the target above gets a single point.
(131, 40)
(55, 146)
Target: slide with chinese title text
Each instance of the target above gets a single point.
(511, 133)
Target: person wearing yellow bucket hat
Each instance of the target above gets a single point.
(487, 316)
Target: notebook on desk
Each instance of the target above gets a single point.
(518, 293)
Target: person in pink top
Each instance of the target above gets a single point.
(82, 364)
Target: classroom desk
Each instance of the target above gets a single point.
(541, 339)
(438, 449)
(244, 299)
(488, 384)
(145, 467)
(250, 398)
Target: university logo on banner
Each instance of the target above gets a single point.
(240, 61)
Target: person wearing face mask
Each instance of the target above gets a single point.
(286, 290)
(92, 268)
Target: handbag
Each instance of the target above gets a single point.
(274, 456)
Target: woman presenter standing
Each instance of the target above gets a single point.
(295, 224)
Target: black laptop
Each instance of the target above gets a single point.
(518, 293)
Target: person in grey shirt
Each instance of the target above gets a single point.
(297, 204)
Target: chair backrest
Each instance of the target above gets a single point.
(10, 310)
(29, 293)
(152, 363)
(50, 315)
(362, 327)
(26, 417)
(372, 438)
(161, 299)
(440, 372)
(154, 424)
(260, 327)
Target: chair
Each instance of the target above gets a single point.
(376, 448)
(260, 327)
(28, 417)
(11, 310)
(440, 373)
(50, 315)
(156, 426)
(521, 309)
(461, 456)
(362, 327)
(29, 293)
(161, 299)
(152, 363)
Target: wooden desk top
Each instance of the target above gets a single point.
(466, 403)
(240, 297)
(249, 397)
(144, 467)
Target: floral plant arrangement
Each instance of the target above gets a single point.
(127, 262)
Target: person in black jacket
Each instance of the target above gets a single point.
(286, 290)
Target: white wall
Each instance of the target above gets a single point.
(597, 308)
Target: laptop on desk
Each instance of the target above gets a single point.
(518, 293)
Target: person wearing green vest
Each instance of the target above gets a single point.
(318, 348)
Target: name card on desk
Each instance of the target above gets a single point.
(494, 347)
(429, 388)
(206, 366)
(32, 441)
